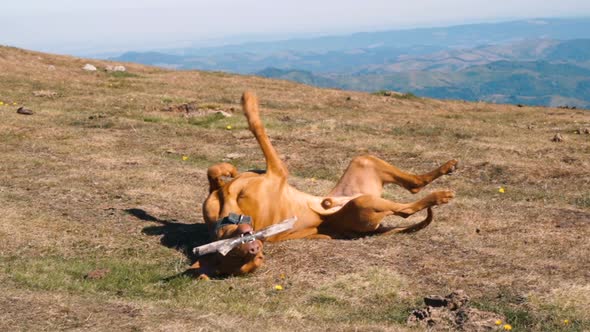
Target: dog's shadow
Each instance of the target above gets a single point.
(174, 234)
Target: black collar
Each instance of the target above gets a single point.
(232, 219)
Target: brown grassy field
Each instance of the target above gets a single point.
(95, 180)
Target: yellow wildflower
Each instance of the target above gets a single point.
(278, 287)
(498, 322)
(228, 127)
(14, 103)
(313, 179)
(566, 321)
(501, 190)
(184, 158)
(507, 327)
(1, 103)
(282, 276)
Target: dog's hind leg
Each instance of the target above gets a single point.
(364, 214)
(368, 174)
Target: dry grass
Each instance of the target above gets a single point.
(76, 177)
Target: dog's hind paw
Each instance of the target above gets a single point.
(442, 197)
(450, 167)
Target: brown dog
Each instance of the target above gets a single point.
(353, 208)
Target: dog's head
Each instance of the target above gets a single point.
(242, 259)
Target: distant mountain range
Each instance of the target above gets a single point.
(538, 62)
(553, 74)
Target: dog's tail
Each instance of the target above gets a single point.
(408, 229)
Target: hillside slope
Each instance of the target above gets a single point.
(99, 206)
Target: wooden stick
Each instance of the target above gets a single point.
(226, 245)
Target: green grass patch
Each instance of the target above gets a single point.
(522, 318)
(152, 119)
(430, 131)
(397, 95)
(370, 296)
(382, 93)
(520, 314)
(582, 202)
(201, 161)
(126, 277)
(134, 279)
(366, 297)
(122, 74)
(324, 173)
(101, 123)
(407, 95)
(209, 106)
(205, 121)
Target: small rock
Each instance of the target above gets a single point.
(234, 155)
(182, 108)
(557, 138)
(97, 274)
(435, 301)
(223, 113)
(456, 299)
(51, 67)
(115, 68)
(24, 111)
(89, 67)
(581, 131)
(569, 159)
(97, 116)
(44, 93)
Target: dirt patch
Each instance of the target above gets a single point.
(97, 274)
(195, 110)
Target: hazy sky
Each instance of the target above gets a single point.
(70, 26)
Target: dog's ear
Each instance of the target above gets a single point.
(202, 269)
